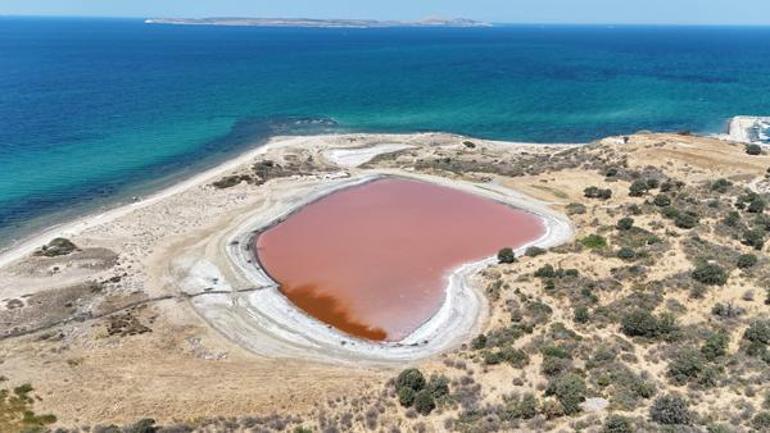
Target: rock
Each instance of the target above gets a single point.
(57, 247)
(594, 405)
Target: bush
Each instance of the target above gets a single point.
(594, 242)
(479, 342)
(410, 378)
(506, 255)
(721, 185)
(534, 251)
(686, 366)
(575, 209)
(761, 421)
(756, 205)
(710, 274)
(670, 410)
(715, 346)
(746, 261)
(626, 254)
(758, 332)
(641, 323)
(594, 192)
(524, 408)
(424, 403)
(625, 223)
(617, 424)
(570, 390)
(146, 425)
(438, 386)
(685, 220)
(638, 188)
(754, 238)
(662, 200)
(406, 396)
(753, 149)
(545, 271)
(581, 314)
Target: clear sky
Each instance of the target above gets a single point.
(508, 11)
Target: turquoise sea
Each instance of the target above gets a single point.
(94, 110)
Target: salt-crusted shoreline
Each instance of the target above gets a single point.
(267, 315)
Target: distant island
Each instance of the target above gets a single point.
(320, 23)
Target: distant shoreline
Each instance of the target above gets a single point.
(318, 23)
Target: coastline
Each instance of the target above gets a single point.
(241, 285)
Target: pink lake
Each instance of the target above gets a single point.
(373, 260)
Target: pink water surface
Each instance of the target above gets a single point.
(373, 260)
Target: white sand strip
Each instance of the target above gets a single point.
(354, 157)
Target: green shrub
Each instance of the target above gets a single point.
(662, 200)
(575, 209)
(758, 332)
(732, 219)
(594, 192)
(715, 346)
(570, 390)
(641, 323)
(410, 378)
(761, 421)
(146, 425)
(754, 238)
(506, 255)
(581, 314)
(746, 261)
(594, 242)
(638, 188)
(721, 185)
(710, 274)
(479, 342)
(756, 205)
(686, 366)
(753, 149)
(517, 358)
(438, 386)
(534, 251)
(685, 220)
(626, 254)
(424, 403)
(545, 271)
(625, 223)
(671, 410)
(406, 396)
(523, 408)
(617, 424)
(670, 212)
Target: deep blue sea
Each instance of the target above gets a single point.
(92, 110)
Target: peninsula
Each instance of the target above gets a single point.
(318, 23)
(628, 287)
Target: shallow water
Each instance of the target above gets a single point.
(372, 260)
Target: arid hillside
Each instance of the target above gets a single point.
(654, 318)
